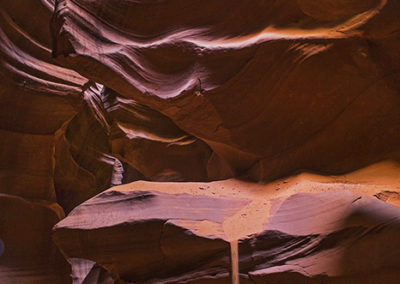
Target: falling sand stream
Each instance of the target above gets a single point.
(249, 220)
(234, 262)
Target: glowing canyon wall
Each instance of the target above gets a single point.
(147, 141)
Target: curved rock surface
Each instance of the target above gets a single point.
(307, 231)
(36, 97)
(97, 94)
(271, 87)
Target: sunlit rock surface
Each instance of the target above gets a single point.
(97, 94)
(306, 229)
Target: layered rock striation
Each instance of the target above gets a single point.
(305, 229)
(212, 110)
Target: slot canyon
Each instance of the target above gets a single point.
(193, 141)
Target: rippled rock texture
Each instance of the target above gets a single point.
(175, 95)
(299, 230)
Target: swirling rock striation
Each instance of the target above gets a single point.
(271, 87)
(37, 96)
(95, 94)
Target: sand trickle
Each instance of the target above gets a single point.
(234, 262)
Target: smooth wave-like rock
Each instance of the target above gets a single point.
(65, 138)
(37, 96)
(306, 232)
(175, 95)
(285, 89)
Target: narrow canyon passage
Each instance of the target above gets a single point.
(201, 142)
